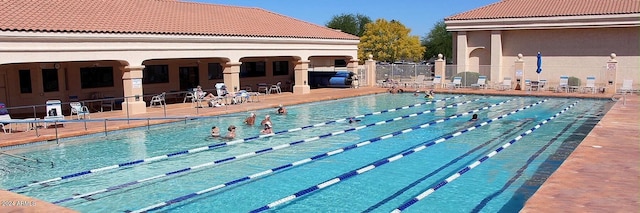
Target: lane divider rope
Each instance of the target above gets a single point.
(379, 163)
(210, 147)
(307, 160)
(251, 154)
(478, 162)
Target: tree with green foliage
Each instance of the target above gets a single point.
(389, 41)
(438, 41)
(349, 23)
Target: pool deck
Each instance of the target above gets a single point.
(601, 175)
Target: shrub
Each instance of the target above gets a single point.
(574, 81)
(468, 78)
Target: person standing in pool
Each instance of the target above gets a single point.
(232, 132)
(267, 118)
(251, 119)
(267, 128)
(215, 132)
(281, 110)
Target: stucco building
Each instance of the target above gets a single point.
(128, 48)
(574, 37)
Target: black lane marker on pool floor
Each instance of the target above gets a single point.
(547, 167)
(414, 183)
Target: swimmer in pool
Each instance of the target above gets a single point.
(474, 117)
(215, 132)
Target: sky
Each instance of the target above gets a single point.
(417, 15)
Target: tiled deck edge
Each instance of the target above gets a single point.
(603, 173)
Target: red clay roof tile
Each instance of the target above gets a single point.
(155, 17)
(549, 8)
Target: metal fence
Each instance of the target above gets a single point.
(403, 72)
(409, 72)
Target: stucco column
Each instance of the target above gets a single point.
(301, 78)
(439, 69)
(132, 83)
(496, 56)
(519, 72)
(462, 53)
(231, 76)
(353, 66)
(611, 78)
(370, 76)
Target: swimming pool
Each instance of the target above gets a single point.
(406, 146)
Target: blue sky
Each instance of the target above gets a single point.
(418, 15)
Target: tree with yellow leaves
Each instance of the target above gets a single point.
(389, 41)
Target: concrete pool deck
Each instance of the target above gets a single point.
(601, 175)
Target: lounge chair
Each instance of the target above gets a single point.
(419, 81)
(591, 85)
(437, 80)
(79, 110)
(506, 84)
(5, 119)
(541, 84)
(457, 81)
(564, 84)
(482, 82)
(158, 100)
(626, 86)
(527, 84)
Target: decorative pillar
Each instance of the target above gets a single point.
(352, 66)
(462, 53)
(439, 69)
(519, 72)
(496, 56)
(301, 78)
(132, 83)
(612, 75)
(370, 77)
(231, 76)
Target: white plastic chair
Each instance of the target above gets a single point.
(275, 88)
(591, 85)
(158, 100)
(457, 81)
(564, 84)
(506, 84)
(79, 110)
(482, 82)
(419, 81)
(626, 86)
(5, 117)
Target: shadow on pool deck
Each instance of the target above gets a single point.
(592, 179)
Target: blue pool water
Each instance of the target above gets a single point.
(501, 183)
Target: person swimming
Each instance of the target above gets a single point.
(429, 94)
(353, 120)
(474, 117)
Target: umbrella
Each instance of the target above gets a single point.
(539, 69)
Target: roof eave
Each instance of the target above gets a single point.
(555, 22)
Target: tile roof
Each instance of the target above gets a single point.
(171, 17)
(549, 8)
